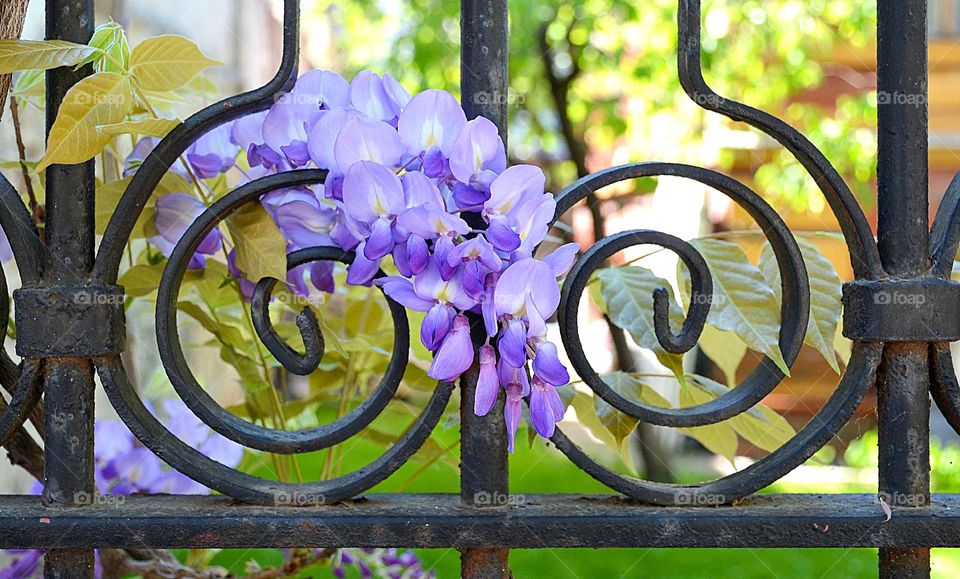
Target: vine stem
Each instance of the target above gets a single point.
(22, 152)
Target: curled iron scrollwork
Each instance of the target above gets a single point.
(861, 370)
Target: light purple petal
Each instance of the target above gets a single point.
(175, 213)
(380, 242)
(322, 140)
(363, 139)
(369, 96)
(417, 254)
(523, 278)
(455, 354)
(547, 365)
(248, 130)
(362, 270)
(561, 259)
(323, 88)
(512, 185)
(474, 277)
(488, 384)
(432, 118)
(541, 411)
(478, 147)
(401, 291)
(511, 413)
(395, 90)
(501, 235)
(419, 190)
(513, 343)
(436, 324)
(371, 191)
(487, 307)
(430, 223)
(477, 248)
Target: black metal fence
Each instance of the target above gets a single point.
(901, 347)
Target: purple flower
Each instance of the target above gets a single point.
(378, 98)
(527, 290)
(323, 136)
(476, 158)
(290, 119)
(174, 214)
(488, 384)
(546, 408)
(247, 134)
(455, 354)
(213, 153)
(431, 121)
(373, 197)
(363, 139)
(518, 210)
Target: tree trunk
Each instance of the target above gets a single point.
(12, 15)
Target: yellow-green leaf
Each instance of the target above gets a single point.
(742, 301)
(261, 248)
(42, 54)
(101, 99)
(825, 295)
(167, 62)
(620, 425)
(725, 349)
(760, 425)
(141, 280)
(145, 127)
(718, 438)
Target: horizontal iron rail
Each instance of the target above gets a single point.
(435, 521)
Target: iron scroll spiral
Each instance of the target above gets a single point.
(861, 370)
(25, 244)
(150, 431)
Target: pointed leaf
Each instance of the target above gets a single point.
(825, 295)
(42, 54)
(760, 425)
(718, 438)
(261, 248)
(743, 302)
(627, 298)
(725, 349)
(145, 127)
(101, 99)
(167, 62)
(621, 425)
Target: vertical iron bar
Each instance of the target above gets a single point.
(903, 404)
(69, 235)
(483, 447)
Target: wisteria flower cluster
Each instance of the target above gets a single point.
(411, 181)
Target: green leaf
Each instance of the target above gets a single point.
(621, 425)
(30, 83)
(825, 295)
(261, 248)
(101, 99)
(112, 41)
(725, 349)
(760, 425)
(141, 280)
(167, 62)
(145, 127)
(42, 54)
(627, 298)
(742, 302)
(718, 438)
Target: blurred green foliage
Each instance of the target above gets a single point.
(625, 101)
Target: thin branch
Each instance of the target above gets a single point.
(24, 170)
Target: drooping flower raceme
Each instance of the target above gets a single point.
(403, 174)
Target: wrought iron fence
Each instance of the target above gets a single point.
(902, 348)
